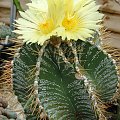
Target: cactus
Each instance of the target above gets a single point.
(64, 80)
(6, 31)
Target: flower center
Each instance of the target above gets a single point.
(70, 23)
(47, 26)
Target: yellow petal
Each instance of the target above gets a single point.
(69, 7)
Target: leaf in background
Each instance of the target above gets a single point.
(18, 5)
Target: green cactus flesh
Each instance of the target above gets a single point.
(68, 81)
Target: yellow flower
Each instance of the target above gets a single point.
(38, 5)
(80, 20)
(70, 19)
(36, 26)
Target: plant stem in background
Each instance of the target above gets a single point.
(12, 15)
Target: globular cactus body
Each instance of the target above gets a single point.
(64, 80)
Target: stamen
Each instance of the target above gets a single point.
(70, 23)
(47, 26)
